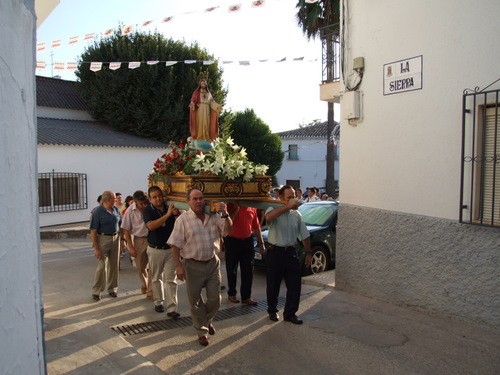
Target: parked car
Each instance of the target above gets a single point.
(321, 221)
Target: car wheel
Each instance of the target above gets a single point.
(319, 260)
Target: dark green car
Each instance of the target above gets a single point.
(321, 221)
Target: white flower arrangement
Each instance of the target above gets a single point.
(229, 161)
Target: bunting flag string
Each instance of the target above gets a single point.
(95, 66)
(73, 40)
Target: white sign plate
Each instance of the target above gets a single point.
(403, 75)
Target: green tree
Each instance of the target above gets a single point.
(152, 100)
(263, 147)
(322, 19)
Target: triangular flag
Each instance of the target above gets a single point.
(88, 36)
(211, 9)
(115, 65)
(170, 63)
(95, 66)
(72, 66)
(234, 8)
(134, 64)
(299, 58)
(227, 62)
(127, 29)
(189, 61)
(40, 65)
(208, 62)
(58, 65)
(258, 3)
(40, 47)
(73, 40)
(108, 32)
(166, 19)
(147, 23)
(244, 62)
(263, 60)
(283, 59)
(56, 43)
(153, 62)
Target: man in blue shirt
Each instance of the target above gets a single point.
(105, 233)
(285, 226)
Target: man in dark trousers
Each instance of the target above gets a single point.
(238, 246)
(159, 220)
(285, 226)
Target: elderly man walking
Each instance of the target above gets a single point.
(197, 239)
(104, 231)
(133, 225)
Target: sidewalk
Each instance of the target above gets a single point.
(341, 334)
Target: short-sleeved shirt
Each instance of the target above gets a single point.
(196, 239)
(245, 221)
(104, 221)
(286, 228)
(159, 236)
(134, 222)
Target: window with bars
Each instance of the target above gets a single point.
(62, 191)
(480, 188)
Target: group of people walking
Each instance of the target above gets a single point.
(169, 245)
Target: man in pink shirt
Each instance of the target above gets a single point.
(133, 225)
(196, 238)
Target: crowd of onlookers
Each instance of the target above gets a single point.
(312, 194)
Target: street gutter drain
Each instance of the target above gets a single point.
(166, 324)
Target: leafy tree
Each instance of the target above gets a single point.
(322, 19)
(152, 100)
(263, 147)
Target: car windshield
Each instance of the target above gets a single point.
(317, 214)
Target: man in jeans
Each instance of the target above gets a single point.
(239, 249)
(160, 219)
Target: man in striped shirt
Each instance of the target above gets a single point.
(196, 238)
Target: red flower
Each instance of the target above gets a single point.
(162, 171)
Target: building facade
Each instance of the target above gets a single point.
(419, 222)
(79, 158)
(304, 162)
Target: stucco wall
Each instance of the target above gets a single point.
(21, 337)
(120, 169)
(436, 265)
(405, 153)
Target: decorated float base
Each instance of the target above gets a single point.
(254, 193)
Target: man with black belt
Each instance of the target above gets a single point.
(238, 246)
(285, 226)
(104, 231)
(196, 238)
(133, 225)
(160, 219)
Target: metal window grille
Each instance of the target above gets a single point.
(330, 41)
(480, 177)
(293, 152)
(62, 191)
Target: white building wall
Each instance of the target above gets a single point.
(63, 113)
(414, 135)
(398, 236)
(21, 335)
(310, 168)
(120, 169)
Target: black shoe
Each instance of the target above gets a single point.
(159, 309)
(173, 314)
(274, 316)
(96, 297)
(211, 329)
(294, 319)
(113, 294)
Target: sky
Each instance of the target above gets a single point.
(284, 95)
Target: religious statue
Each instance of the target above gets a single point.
(203, 114)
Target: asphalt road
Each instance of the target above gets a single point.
(341, 334)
